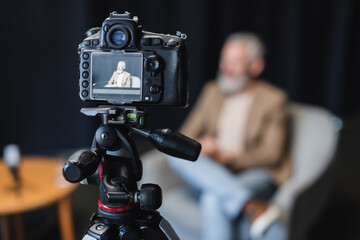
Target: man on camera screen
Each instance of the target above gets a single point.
(120, 77)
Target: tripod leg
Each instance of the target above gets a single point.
(155, 227)
(167, 229)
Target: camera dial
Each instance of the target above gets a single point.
(152, 64)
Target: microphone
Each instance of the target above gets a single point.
(12, 159)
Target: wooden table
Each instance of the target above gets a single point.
(42, 184)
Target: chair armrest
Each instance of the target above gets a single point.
(314, 140)
(263, 222)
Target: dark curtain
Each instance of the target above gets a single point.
(312, 53)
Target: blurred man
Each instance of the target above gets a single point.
(120, 77)
(241, 123)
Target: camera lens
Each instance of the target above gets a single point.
(118, 37)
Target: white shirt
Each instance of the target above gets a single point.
(119, 79)
(231, 128)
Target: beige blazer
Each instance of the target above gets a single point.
(126, 81)
(266, 144)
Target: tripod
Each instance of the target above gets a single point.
(124, 211)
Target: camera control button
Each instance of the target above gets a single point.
(154, 89)
(147, 81)
(95, 42)
(85, 93)
(145, 41)
(85, 65)
(172, 43)
(152, 64)
(156, 41)
(106, 28)
(85, 84)
(87, 43)
(86, 56)
(85, 74)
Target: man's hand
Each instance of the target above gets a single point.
(254, 209)
(209, 146)
(222, 157)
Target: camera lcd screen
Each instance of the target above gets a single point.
(116, 77)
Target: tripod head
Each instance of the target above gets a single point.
(165, 140)
(120, 201)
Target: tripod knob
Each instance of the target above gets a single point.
(127, 232)
(150, 197)
(80, 165)
(106, 137)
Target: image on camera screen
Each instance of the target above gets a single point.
(116, 77)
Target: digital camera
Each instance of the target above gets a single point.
(121, 64)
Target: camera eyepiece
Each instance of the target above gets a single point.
(118, 36)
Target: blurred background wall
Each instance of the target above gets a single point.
(312, 53)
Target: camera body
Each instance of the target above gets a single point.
(121, 64)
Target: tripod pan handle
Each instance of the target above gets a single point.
(175, 144)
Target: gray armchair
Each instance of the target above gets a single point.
(314, 139)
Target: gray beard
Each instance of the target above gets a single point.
(231, 85)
